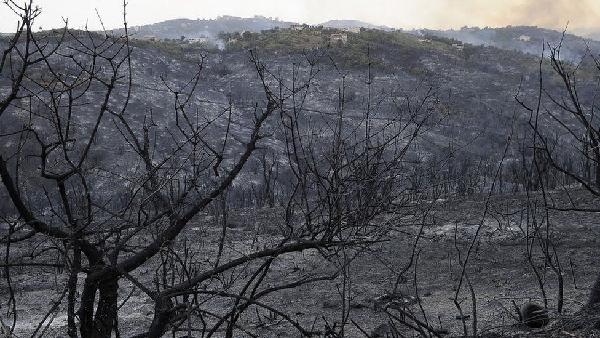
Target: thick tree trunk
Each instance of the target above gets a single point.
(100, 324)
(163, 310)
(72, 326)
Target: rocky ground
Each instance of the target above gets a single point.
(498, 269)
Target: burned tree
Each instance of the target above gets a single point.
(566, 134)
(109, 189)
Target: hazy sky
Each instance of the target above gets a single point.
(582, 15)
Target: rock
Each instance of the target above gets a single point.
(442, 332)
(331, 304)
(234, 225)
(382, 331)
(357, 305)
(394, 301)
(534, 315)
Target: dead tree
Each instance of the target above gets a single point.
(565, 106)
(121, 220)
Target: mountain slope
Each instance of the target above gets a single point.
(475, 85)
(525, 39)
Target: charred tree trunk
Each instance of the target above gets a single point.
(101, 323)
(162, 318)
(72, 327)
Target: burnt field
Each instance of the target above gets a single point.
(499, 270)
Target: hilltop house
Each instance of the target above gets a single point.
(338, 37)
(201, 39)
(524, 38)
(458, 46)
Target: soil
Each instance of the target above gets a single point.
(498, 270)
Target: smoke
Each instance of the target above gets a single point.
(555, 14)
(581, 15)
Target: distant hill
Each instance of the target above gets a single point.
(189, 28)
(348, 24)
(593, 36)
(526, 39)
(174, 29)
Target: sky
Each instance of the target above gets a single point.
(582, 16)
